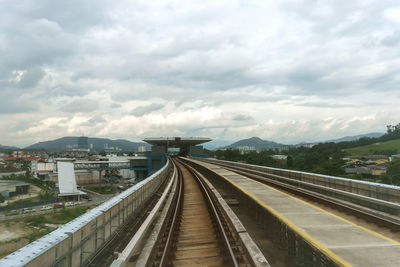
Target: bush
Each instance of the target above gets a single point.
(38, 220)
(105, 189)
(393, 173)
(36, 235)
(67, 215)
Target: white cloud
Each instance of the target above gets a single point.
(142, 110)
(393, 14)
(288, 71)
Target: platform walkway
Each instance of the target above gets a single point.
(345, 242)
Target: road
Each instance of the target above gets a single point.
(96, 200)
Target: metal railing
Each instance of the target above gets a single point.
(95, 165)
(389, 193)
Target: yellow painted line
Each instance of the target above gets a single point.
(316, 207)
(306, 236)
(325, 211)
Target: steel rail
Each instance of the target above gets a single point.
(135, 242)
(215, 214)
(177, 213)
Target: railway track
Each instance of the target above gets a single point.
(349, 208)
(197, 236)
(191, 225)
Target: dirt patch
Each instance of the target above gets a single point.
(11, 230)
(12, 237)
(51, 225)
(16, 233)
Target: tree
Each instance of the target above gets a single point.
(330, 167)
(393, 173)
(47, 191)
(45, 194)
(393, 129)
(289, 162)
(386, 179)
(228, 154)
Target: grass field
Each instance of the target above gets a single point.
(36, 226)
(16, 233)
(105, 189)
(383, 148)
(59, 217)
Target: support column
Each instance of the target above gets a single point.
(100, 179)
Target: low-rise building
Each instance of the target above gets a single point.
(31, 153)
(369, 157)
(279, 157)
(9, 188)
(19, 163)
(375, 166)
(82, 177)
(397, 156)
(308, 145)
(45, 168)
(358, 170)
(76, 153)
(377, 170)
(142, 149)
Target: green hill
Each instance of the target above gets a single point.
(381, 148)
(62, 144)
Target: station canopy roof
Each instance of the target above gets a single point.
(176, 141)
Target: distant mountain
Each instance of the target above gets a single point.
(99, 144)
(214, 144)
(6, 148)
(257, 143)
(355, 137)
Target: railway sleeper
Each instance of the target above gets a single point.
(154, 247)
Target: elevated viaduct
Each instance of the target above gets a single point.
(259, 216)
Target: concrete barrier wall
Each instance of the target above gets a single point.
(8, 247)
(74, 243)
(384, 192)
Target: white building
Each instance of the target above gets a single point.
(279, 157)
(397, 156)
(34, 166)
(66, 180)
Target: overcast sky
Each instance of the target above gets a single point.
(288, 71)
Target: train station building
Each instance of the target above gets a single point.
(183, 146)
